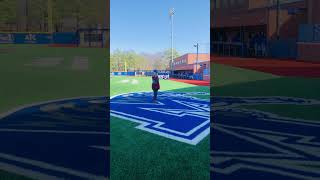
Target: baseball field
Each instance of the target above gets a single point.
(140, 154)
(43, 90)
(33, 73)
(265, 120)
(258, 116)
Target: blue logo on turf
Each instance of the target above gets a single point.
(50, 139)
(177, 116)
(273, 145)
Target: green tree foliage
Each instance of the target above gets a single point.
(164, 62)
(8, 11)
(37, 15)
(75, 13)
(132, 60)
(86, 13)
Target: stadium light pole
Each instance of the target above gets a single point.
(171, 13)
(197, 46)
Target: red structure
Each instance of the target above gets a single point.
(189, 65)
(311, 50)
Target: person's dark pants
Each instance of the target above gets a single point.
(155, 94)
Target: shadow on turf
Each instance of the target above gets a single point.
(278, 149)
(70, 133)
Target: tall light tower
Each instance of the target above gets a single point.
(197, 61)
(171, 13)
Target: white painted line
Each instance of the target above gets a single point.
(101, 147)
(143, 124)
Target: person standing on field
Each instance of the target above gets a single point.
(155, 85)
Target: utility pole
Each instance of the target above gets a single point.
(171, 13)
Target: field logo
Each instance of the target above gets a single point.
(266, 143)
(177, 116)
(60, 139)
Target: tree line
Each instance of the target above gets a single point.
(33, 14)
(131, 61)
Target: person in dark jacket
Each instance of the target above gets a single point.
(155, 85)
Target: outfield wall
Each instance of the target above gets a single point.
(25, 38)
(123, 73)
(39, 38)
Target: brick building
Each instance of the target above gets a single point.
(189, 65)
(261, 27)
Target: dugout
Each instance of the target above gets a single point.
(183, 74)
(93, 38)
(240, 41)
(252, 29)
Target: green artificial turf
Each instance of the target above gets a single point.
(119, 85)
(238, 82)
(9, 176)
(22, 84)
(223, 75)
(137, 154)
